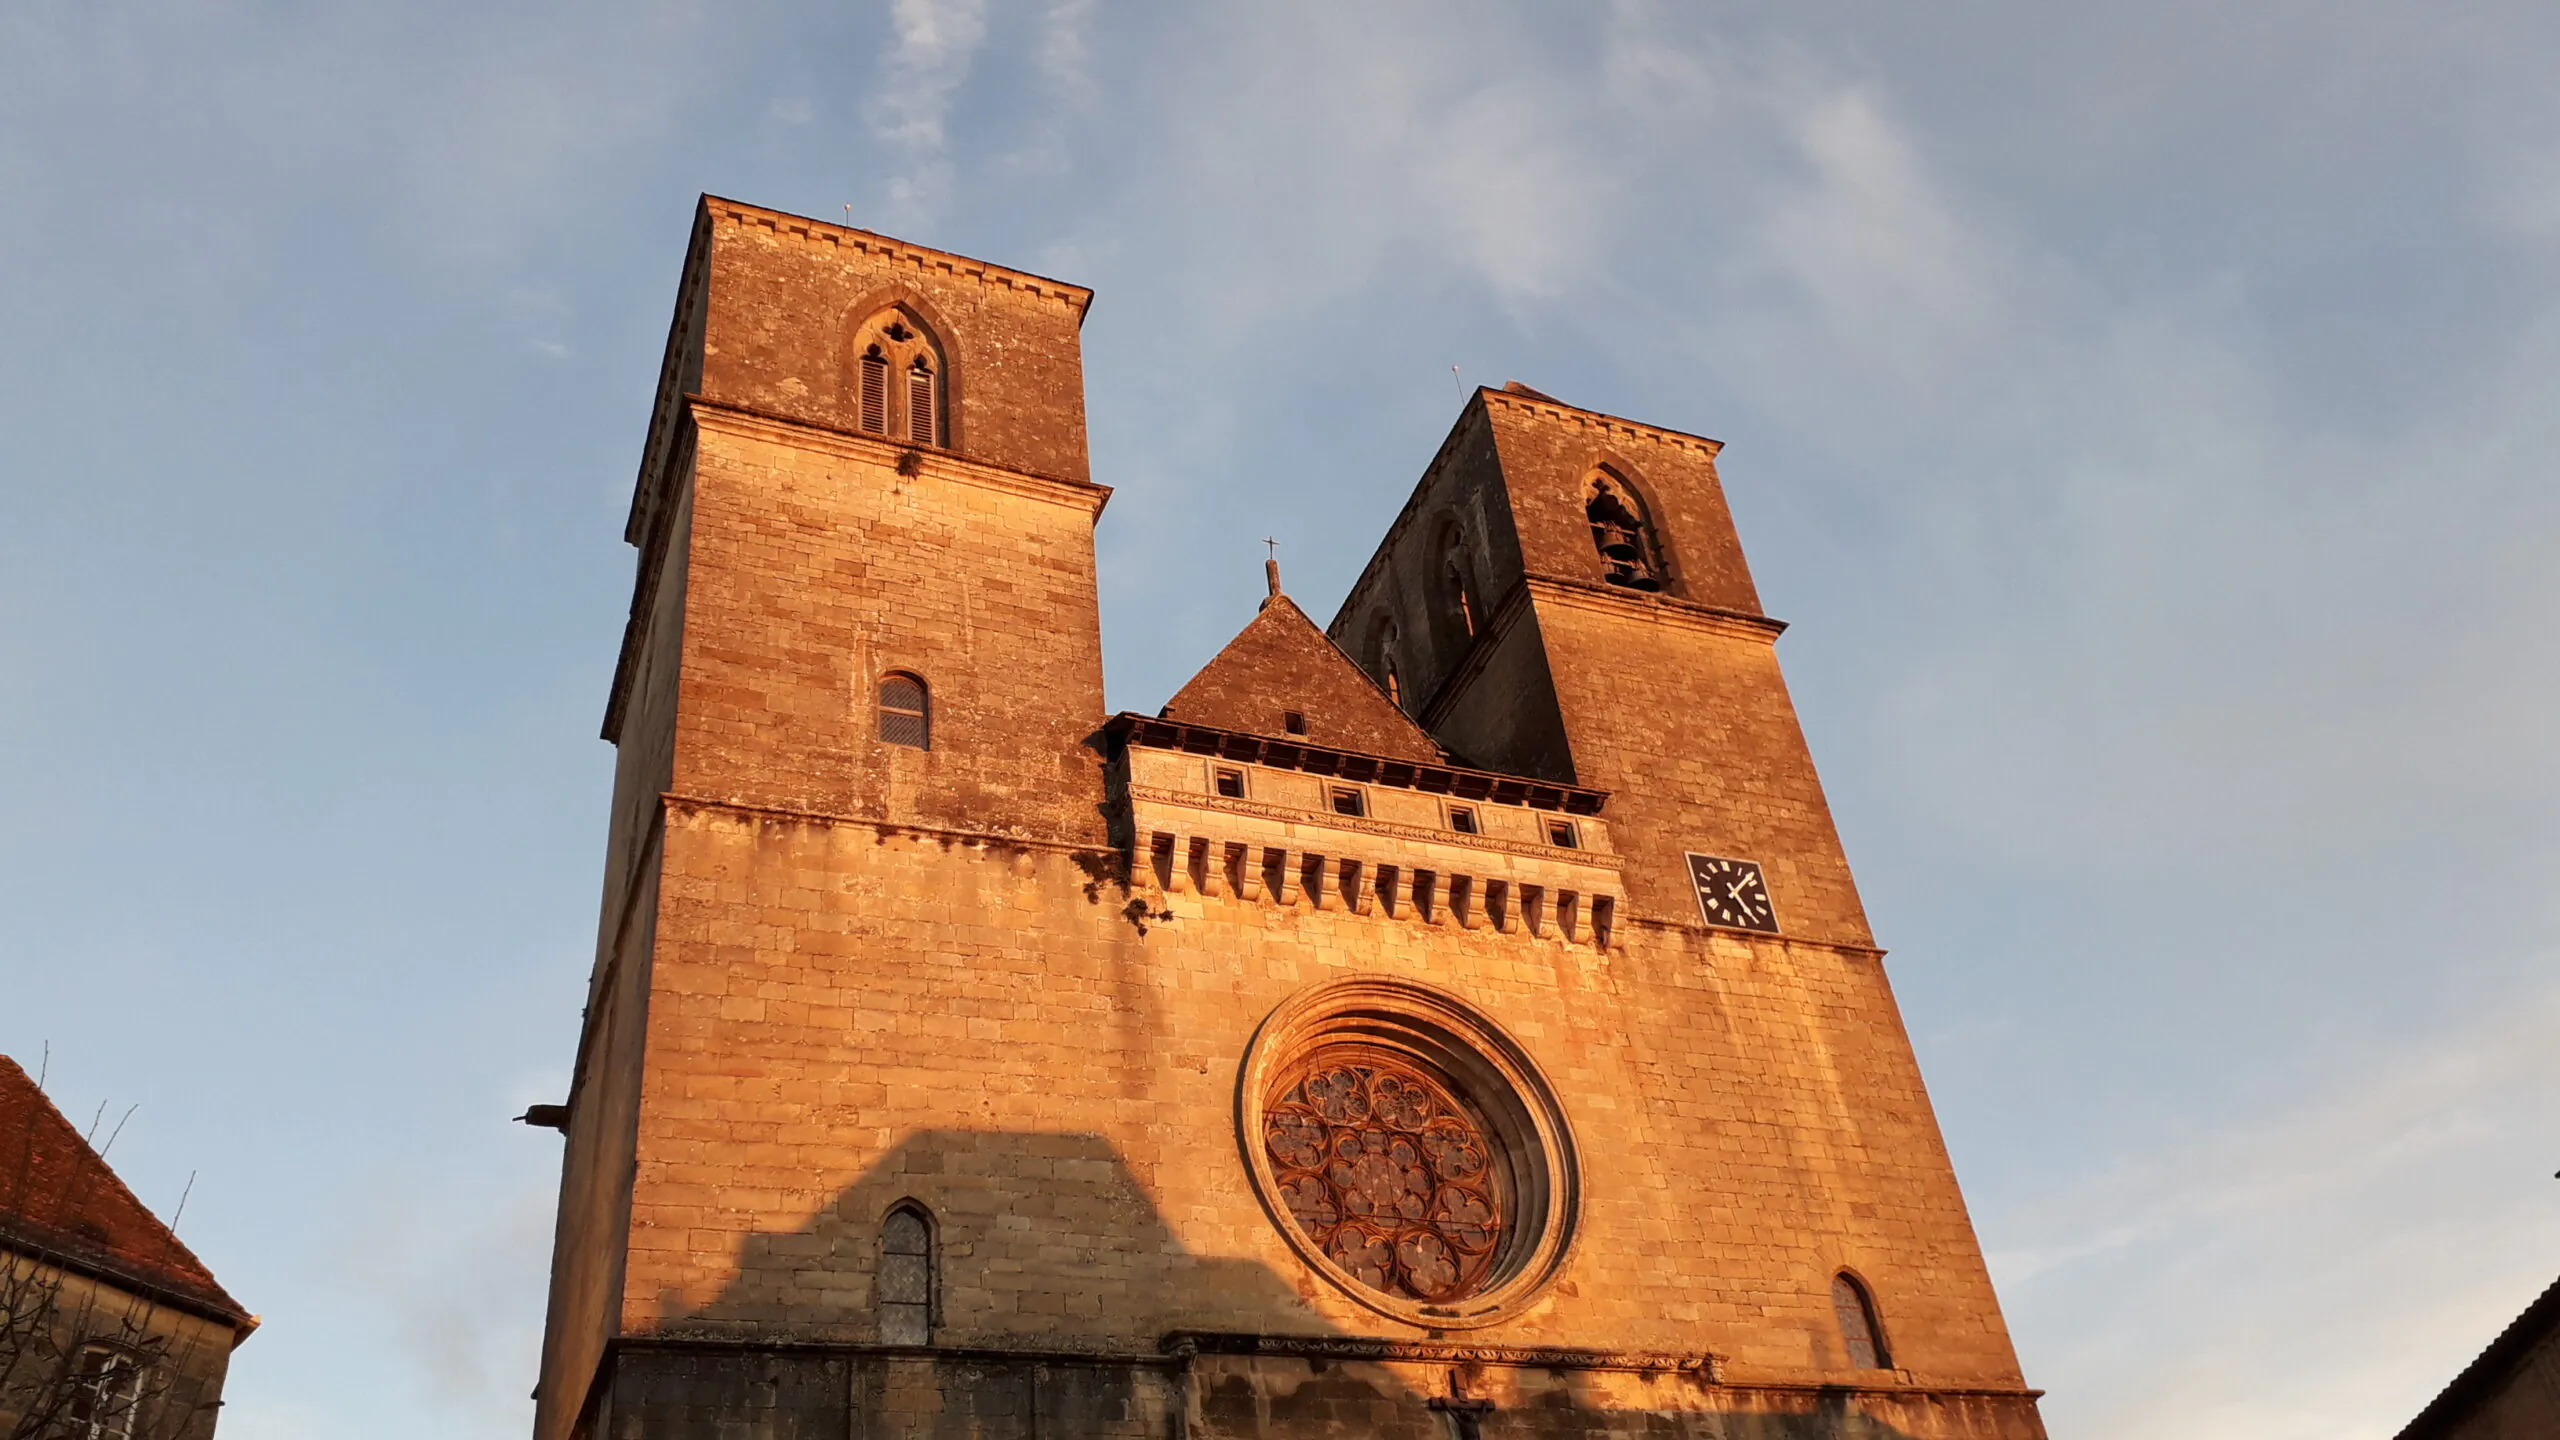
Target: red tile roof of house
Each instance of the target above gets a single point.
(61, 1204)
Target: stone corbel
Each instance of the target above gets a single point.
(1392, 901)
(1355, 896)
(1315, 877)
(1279, 879)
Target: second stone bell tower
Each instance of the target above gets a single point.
(1457, 1020)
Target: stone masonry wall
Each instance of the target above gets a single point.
(854, 973)
(843, 1019)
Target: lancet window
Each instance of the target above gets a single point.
(904, 1283)
(1466, 607)
(1630, 553)
(1855, 1305)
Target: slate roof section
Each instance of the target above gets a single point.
(2485, 1377)
(59, 1202)
(1284, 662)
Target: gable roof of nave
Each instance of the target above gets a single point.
(1280, 663)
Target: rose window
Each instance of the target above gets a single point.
(1388, 1174)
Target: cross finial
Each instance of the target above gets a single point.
(1271, 568)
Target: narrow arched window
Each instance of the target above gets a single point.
(1382, 645)
(905, 1281)
(906, 710)
(1629, 552)
(1466, 601)
(924, 403)
(875, 391)
(1859, 1329)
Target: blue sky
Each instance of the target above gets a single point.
(2141, 410)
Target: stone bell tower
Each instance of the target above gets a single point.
(1457, 1021)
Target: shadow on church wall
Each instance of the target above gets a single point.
(1055, 1225)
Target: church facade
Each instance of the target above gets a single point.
(1457, 1019)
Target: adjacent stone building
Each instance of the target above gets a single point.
(2511, 1391)
(109, 1328)
(1455, 1020)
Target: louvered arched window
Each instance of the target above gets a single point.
(1630, 553)
(902, 389)
(906, 710)
(924, 402)
(905, 1280)
(875, 391)
(1855, 1304)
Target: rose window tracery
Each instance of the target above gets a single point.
(1387, 1173)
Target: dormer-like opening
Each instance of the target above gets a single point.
(901, 384)
(1623, 534)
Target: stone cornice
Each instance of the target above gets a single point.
(728, 418)
(1384, 830)
(887, 829)
(1434, 1352)
(844, 237)
(1755, 937)
(1584, 595)
(1596, 420)
(1179, 1349)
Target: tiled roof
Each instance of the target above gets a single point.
(2490, 1373)
(59, 1202)
(1282, 663)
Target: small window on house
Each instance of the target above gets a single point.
(875, 392)
(1856, 1307)
(1231, 784)
(924, 407)
(1560, 834)
(1293, 721)
(1462, 818)
(904, 1284)
(106, 1395)
(906, 712)
(1347, 801)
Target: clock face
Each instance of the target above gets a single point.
(1731, 893)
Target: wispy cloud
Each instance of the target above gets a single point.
(935, 41)
(2316, 1270)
